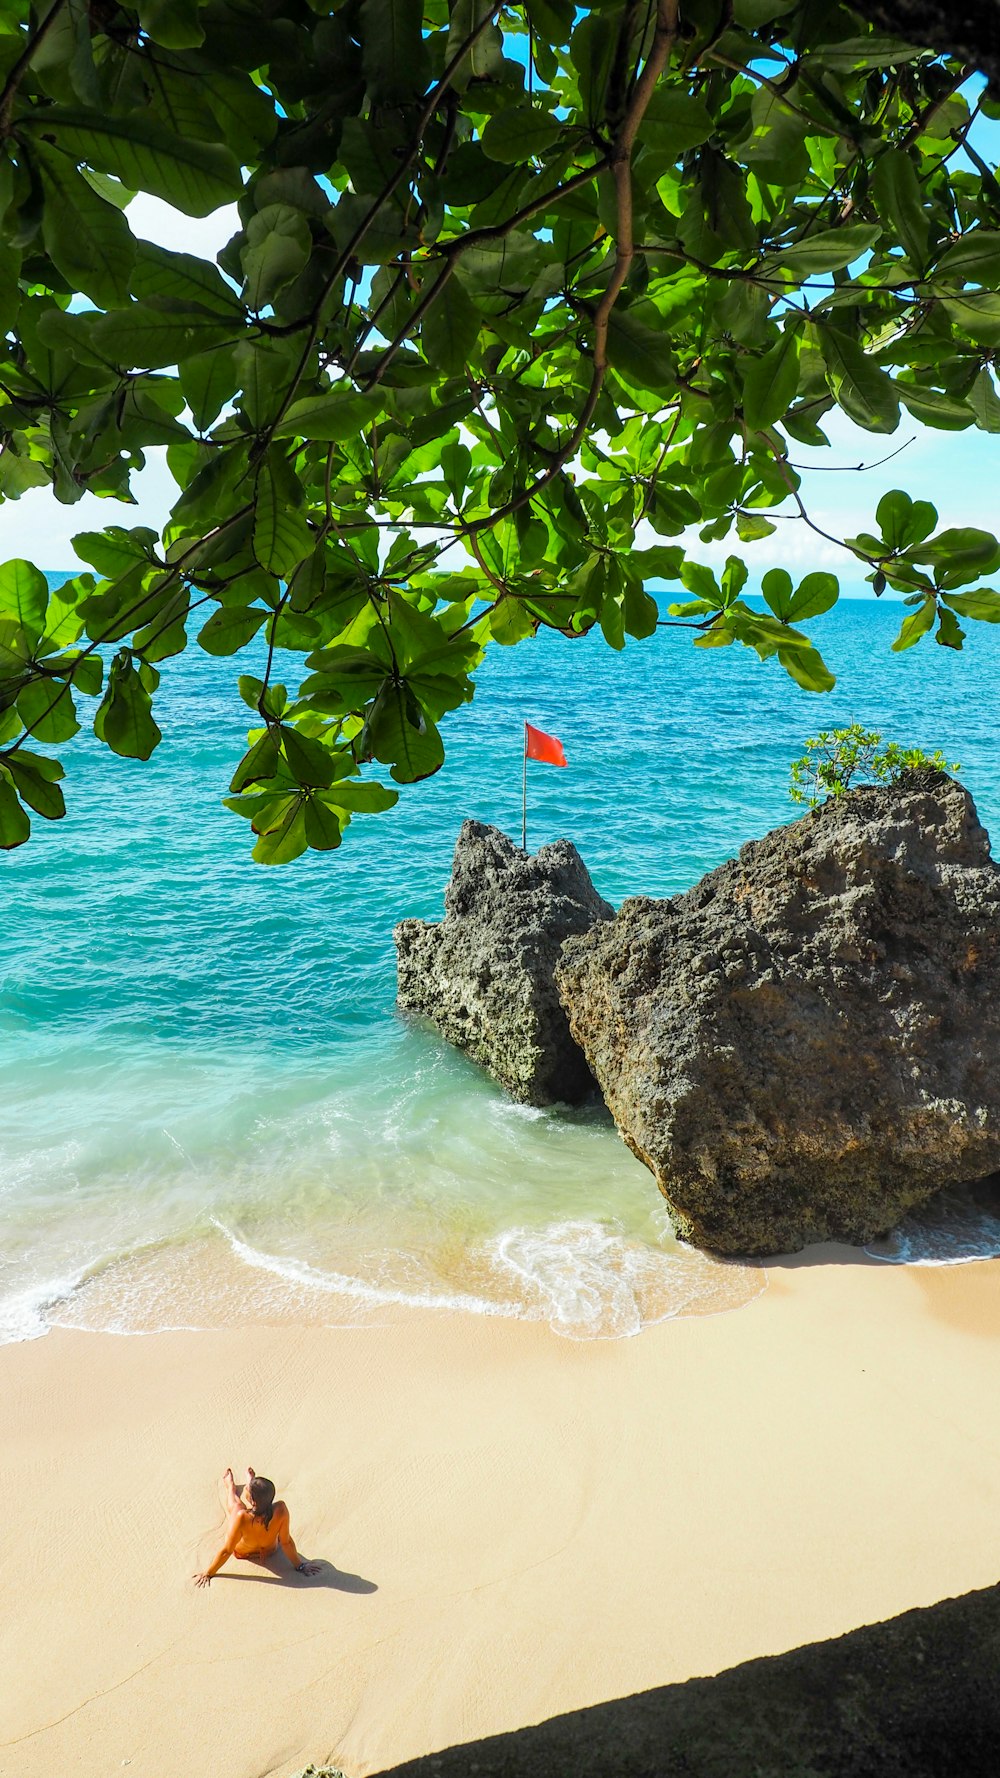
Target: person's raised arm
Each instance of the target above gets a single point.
(232, 1539)
(287, 1542)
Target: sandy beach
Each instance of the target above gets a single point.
(509, 1524)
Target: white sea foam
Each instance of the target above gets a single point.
(300, 1273)
(954, 1229)
(27, 1314)
(585, 1279)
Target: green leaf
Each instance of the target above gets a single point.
(900, 199)
(950, 633)
(771, 382)
(400, 735)
(323, 825)
(149, 337)
(903, 521)
(816, 593)
(114, 551)
(46, 708)
(208, 381)
(933, 407)
(362, 798)
(278, 245)
(975, 259)
(393, 54)
(959, 554)
(15, 826)
(260, 763)
(450, 329)
(870, 51)
(829, 249)
(751, 527)
(16, 648)
(976, 315)
(124, 720)
(230, 628)
(639, 351)
(984, 402)
(88, 240)
(309, 762)
(776, 586)
(339, 414)
(174, 23)
(916, 625)
(675, 122)
(281, 536)
(193, 176)
(807, 667)
(36, 781)
(181, 278)
(24, 595)
(864, 392)
(519, 133)
(983, 604)
(285, 837)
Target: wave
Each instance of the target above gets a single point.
(299, 1272)
(956, 1228)
(26, 1314)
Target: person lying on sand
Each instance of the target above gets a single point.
(257, 1524)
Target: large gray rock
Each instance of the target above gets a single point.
(484, 975)
(807, 1044)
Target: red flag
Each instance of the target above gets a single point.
(539, 745)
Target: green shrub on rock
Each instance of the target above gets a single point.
(837, 758)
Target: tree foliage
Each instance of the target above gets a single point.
(518, 295)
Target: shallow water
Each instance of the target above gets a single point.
(212, 1112)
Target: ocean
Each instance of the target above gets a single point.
(214, 1114)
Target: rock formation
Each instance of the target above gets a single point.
(484, 975)
(805, 1045)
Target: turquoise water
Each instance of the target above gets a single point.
(212, 1112)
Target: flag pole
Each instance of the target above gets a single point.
(524, 794)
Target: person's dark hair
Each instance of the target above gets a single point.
(262, 1495)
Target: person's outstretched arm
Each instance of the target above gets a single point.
(287, 1542)
(232, 1539)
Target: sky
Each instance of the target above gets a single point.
(958, 471)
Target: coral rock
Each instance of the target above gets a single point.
(484, 975)
(805, 1045)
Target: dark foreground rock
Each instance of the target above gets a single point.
(806, 1045)
(484, 975)
(918, 1697)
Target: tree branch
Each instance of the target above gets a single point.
(21, 66)
(620, 161)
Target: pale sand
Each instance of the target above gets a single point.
(547, 1524)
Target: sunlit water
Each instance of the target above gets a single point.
(212, 1113)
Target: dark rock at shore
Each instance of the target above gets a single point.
(484, 974)
(917, 1697)
(805, 1045)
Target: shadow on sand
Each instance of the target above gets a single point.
(917, 1697)
(275, 1569)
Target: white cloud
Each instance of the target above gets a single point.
(38, 527)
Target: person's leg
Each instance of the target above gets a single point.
(228, 1492)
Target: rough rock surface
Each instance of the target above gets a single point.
(917, 1697)
(484, 975)
(806, 1045)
